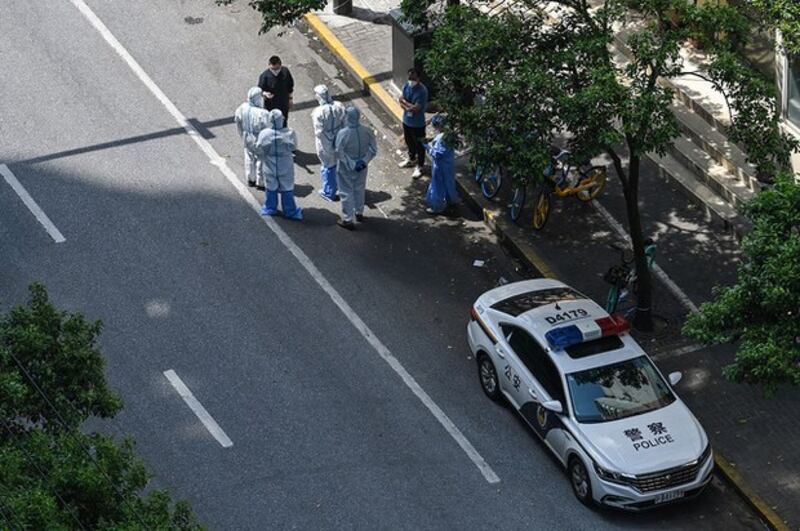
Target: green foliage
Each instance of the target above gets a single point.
(275, 13)
(59, 352)
(53, 481)
(52, 475)
(762, 310)
(783, 15)
(472, 61)
(415, 12)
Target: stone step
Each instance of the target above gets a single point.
(712, 174)
(716, 144)
(715, 207)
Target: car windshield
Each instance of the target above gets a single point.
(616, 391)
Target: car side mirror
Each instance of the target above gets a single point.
(554, 406)
(675, 377)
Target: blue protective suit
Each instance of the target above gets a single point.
(250, 119)
(442, 190)
(274, 147)
(355, 148)
(328, 120)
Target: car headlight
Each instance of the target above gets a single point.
(704, 455)
(613, 477)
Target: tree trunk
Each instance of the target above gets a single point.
(643, 320)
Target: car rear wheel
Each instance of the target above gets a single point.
(580, 481)
(488, 377)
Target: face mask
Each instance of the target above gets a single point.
(413, 83)
(275, 71)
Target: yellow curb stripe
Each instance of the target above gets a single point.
(766, 512)
(538, 263)
(337, 47)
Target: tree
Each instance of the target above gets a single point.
(58, 351)
(52, 475)
(761, 312)
(567, 81)
(280, 12)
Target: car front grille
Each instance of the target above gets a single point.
(673, 477)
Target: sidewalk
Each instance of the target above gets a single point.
(756, 436)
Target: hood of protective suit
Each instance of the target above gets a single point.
(352, 117)
(276, 119)
(322, 94)
(254, 97)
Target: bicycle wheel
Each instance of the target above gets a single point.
(518, 201)
(491, 182)
(541, 207)
(598, 175)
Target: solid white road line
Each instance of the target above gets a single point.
(660, 273)
(198, 409)
(301, 257)
(31, 204)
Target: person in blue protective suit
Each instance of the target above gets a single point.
(251, 118)
(442, 189)
(274, 146)
(355, 148)
(328, 120)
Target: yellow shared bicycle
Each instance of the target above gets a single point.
(564, 179)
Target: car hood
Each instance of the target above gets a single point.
(658, 440)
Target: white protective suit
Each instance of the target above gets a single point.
(355, 147)
(251, 118)
(328, 120)
(275, 146)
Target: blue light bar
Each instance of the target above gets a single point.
(564, 336)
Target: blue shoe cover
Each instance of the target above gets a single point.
(290, 208)
(271, 204)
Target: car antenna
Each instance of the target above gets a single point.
(558, 307)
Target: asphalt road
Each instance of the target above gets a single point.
(187, 277)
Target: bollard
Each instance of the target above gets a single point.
(343, 7)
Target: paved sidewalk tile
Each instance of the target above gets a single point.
(758, 435)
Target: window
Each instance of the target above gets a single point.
(536, 360)
(616, 391)
(595, 346)
(793, 91)
(523, 302)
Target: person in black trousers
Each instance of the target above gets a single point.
(277, 85)
(414, 102)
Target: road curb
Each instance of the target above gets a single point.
(371, 85)
(504, 230)
(729, 472)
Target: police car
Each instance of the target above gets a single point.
(591, 393)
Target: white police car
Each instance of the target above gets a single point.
(591, 393)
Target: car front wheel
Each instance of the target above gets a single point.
(580, 481)
(488, 377)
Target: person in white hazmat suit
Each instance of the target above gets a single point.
(355, 148)
(274, 147)
(328, 120)
(251, 118)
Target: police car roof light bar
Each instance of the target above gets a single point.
(613, 325)
(564, 336)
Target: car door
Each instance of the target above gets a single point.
(513, 375)
(547, 377)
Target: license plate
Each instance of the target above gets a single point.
(669, 496)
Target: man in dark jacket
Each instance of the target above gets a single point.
(277, 85)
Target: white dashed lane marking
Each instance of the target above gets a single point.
(35, 209)
(198, 409)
